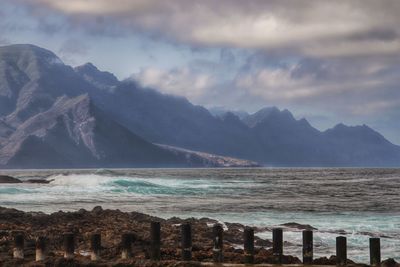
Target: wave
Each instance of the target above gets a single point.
(78, 180)
(13, 191)
(139, 185)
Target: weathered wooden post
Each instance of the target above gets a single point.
(277, 244)
(375, 251)
(126, 246)
(248, 236)
(307, 247)
(69, 245)
(186, 232)
(18, 251)
(95, 246)
(155, 241)
(341, 250)
(40, 248)
(218, 254)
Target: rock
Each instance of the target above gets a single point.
(299, 226)
(390, 263)
(112, 224)
(263, 243)
(5, 179)
(97, 209)
(38, 181)
(325, 261)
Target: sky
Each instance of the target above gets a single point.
(328, 61)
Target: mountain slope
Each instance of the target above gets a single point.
(270, 136)
(49, 120)
(74, 133)
(361, 144)
(172, 120)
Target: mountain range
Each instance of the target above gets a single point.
(55, 116)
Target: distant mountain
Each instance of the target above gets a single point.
(218, 111)
(289, 141)
(260, 116)
(52, 115)
(101, 79)
(74, 133)
(361, 144)
(171, 120)
(51, 120)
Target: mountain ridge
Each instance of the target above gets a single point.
(34, 79)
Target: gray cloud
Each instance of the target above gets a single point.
(73, 47)
(4, 41)
(309, 27)
(340, 57)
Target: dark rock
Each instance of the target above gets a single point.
(263, 243)
(38, 181)
(97, 209)
(112, 224)
(390, 263)
(299, 226)
(5, 179)
(325, 261)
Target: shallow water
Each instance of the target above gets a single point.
(361, 202)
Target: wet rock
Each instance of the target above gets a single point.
(263, 243)
(390, 263)
(38, 181)
(112, 224)
(97, 209)
(5, 179)
(299, 226)
(325, 261)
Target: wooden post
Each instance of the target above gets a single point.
(69, 245)
(341, 250)
(186, 231)
(218, 253)
(307, 247)
(95, 246)
(40, 248)
(126, 246)
(155, 241)
(248, 236)
(18, 251)
(277, 244)
(375, 251)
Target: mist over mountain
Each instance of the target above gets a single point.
(52, 115)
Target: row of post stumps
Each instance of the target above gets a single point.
(186, 245)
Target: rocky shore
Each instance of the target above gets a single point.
(112, 224)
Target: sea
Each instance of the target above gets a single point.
(355, 202)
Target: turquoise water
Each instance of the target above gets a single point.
(360, 202)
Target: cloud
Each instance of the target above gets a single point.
(350, 87)
(4, 41)
(73, 47)
(179, 81)
(307, 27)
(337, 57)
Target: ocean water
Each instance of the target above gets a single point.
(358, 202)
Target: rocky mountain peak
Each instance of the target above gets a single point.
(101, 79)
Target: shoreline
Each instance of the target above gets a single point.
(112, 224)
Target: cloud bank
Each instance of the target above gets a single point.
(310, 27)
(336, 57)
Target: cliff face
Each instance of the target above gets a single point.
(73, 133)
